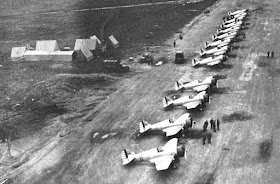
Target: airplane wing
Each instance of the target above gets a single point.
(214, 63)
(164, 122)
(172, 130)
(163, 162)
(191, 105)
(193, 82)
(201, 88)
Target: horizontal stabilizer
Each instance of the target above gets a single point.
(167, 102)
(127, 157)
(144, 126)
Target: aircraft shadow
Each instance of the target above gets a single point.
(220, 76)
(222, 90)
(222, 66)
(194, 134)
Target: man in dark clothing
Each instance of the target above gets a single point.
(203, 137)
(272, 54)
(212, 123)
(214, 126)
(206, 124)
(209, 137)
(268, 53)
(218, 124)
(174, 43)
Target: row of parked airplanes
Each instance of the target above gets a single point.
(164, 156)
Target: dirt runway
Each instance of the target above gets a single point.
(245, 150)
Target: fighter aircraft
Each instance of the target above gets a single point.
(233, 24)
(167, 126)
(243, 11)
(187, 101)
(231, 29)
(233, 20)
(223, 36)
(210, 61)
(214, 51)
(208, 82)
(218, 43)
(163, 157)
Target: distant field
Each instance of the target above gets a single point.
(129, 25)
(18, 6)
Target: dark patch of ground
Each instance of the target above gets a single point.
(237, 116)
(265, 150)
(207, 178)
(275, 72)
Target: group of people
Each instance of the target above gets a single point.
(214, 125)
(270, 54)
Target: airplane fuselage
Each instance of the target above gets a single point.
(163, 126)
(152, 153)
(206, 61)
(186, 99)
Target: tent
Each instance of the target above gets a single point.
(34, 55)
(37, 55)
(114, 42)
(17, 53)
(95, 38)
(86, 52)
(47, 45)
(91, 44)
(62, 55)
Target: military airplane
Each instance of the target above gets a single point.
(210, 61)
(208, 82)
(190, 102)
(233, 24)
(214, 51)
(231, 29)
(218, 43)
(243, 11)
(163, 157)
(168, 126)
(225, 35)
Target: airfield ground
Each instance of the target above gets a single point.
(245, 150)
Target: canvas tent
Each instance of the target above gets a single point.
(95, 38)
(114, 42)
(91, 44)
(37, 55)
(47, 45)
(17, 53)
(86, 52)
(34, 55)
(62, 55)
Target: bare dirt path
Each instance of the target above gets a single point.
(246, 148)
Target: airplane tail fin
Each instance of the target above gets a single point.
(206, 44)
(144, 126)
(127, 157)
(178, 85)
(213, 37)
(194, 62)
(201, 52)
(167, 102)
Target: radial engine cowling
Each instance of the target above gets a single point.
(181, 151)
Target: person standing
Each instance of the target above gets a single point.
(218, 124)
(212, 123)
(272, 54)
(206, 124)
(174, 43)
(203, 137)
(209, 137)
(268, 53)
